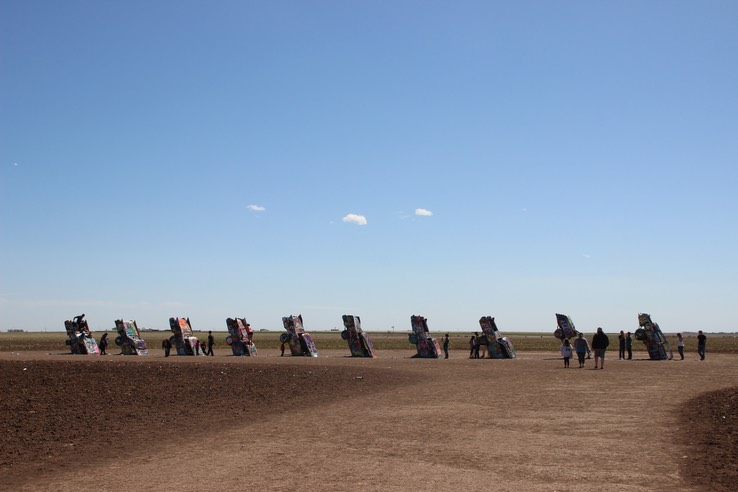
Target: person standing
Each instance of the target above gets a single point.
(566, 352)
(445, 346)
(477, 343)
(680, 345)
(211, 342)
(103, 344)
(472, 344)
(581, 347)
(599, 345)
(621, 343)
(166, 344)
(701, 342)
(629, 345)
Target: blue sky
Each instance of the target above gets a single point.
(450, 159)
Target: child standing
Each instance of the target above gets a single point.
(566, 351)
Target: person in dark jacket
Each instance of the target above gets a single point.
(701, 342)
(211, 342)
(599, 345)
(166, 344)
(445, 346)
(103, 344)
(629, 345)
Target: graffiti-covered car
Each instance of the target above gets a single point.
(652, 336)
(129, 338)
(80, 340)
(299, 341)
(426, 345)
(498, 347)
(564, 327)
(240, 337)
(565, 331)
(359, 342)
(183, 339)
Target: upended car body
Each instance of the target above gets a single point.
(565, 327)
(183, 339)
(240, 337)
(498, 347)
(129, 338)
(651, 335)
(359, 342)
(80, 339)
(426, 345)
(300, 342)
(565, 331)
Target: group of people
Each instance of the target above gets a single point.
(600, 342)
(477, 346)
(582, 348)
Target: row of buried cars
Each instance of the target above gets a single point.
(648, 332)
(498, 347)
(240, 337)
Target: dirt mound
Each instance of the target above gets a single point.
(56, 412)
(712, 437)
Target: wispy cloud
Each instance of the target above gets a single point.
(586, 256)
(256, 208)
(423, 212)
(356, 219)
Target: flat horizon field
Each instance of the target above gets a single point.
(331, 340)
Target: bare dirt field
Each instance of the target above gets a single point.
(391, 423)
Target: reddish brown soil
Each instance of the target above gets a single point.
(393, 423)
(712, 420)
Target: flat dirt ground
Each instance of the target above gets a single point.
(390, 423)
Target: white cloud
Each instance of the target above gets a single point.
(255, 208)
(423, 212)
(586, 255)
(356, 219)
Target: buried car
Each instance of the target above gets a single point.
(498, 347)
(565, 327)
(565, 331)
(359, 342)
(651, 335)
(183, 339)
(426, 345)
(129, 338)
(300, 342)
(80, 339)
(240, 337)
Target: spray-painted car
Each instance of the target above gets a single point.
(566, 330)
(80, 339)
(240, 337)
(651, 335)
(129, 339)
(300, 342)
(420, 337)
(183, 339)
(359, 342)
(498, 347)
(565, 327)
